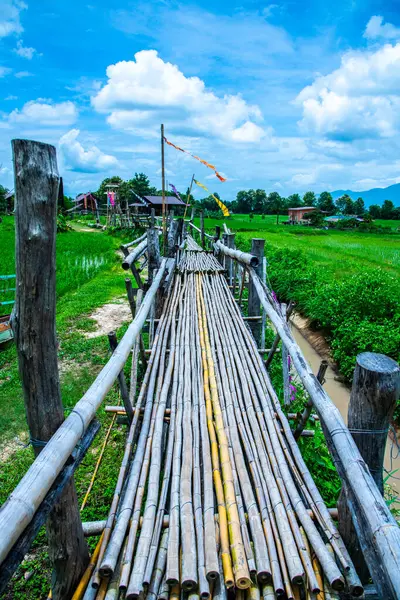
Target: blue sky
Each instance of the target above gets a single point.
(288, 96)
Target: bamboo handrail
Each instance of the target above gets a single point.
(242, 257)
(379, 528)
(21, 505)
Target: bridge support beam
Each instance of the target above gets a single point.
(375, 390)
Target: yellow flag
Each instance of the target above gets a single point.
(222, 206)
(200, 185)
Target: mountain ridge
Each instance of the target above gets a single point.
(374, 195)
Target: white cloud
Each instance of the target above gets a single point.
(360, 99)
(376, 28)
(24, 51)
(44, 113)
(75, 158)
(147, 90)
(4, 71)
(21, 74)
(11, 97)
(10, 17)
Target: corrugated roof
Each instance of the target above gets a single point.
(303, 208)
(170, 200)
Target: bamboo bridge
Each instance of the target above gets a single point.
(213, 497)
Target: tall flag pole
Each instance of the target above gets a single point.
(188, 197)
(164, 219)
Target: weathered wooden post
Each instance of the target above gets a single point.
(112, 340)
(153, 252)
(172, 237)
(202, 239)
(152, 217)
(217, 233)
(34, 325)
(230, 242)
(254, 306)
(374, 393)
(192, 213)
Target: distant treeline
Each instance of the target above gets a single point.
(247, 201)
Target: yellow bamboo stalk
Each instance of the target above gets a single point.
(226, 495)
(80, 590)
(98, 462)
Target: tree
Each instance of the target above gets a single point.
(260, 201)
(140, 184)
(275, 204)
(359, 207)
(309, 199)
(3, 201)
(245, 201)
(294, 201)
(326, 204)
(375, 211)
(387, 209)
(345, 205)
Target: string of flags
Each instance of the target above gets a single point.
(203, 162)
(222, 206)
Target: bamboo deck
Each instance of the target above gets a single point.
(244, 514)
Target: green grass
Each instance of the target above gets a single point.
(337, 252)
(88, 275)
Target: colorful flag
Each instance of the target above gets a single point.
(222, 206)
(175, 191)
(197, 158)
(111, 198)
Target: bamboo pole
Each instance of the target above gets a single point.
(18, 510)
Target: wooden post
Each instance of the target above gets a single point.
(34, 325)
(308, 408)
(257, 249)
(164, 208)
(112, 339)
(192, 213)
(217, 233)
(202, 240)
(172, 237)
(230, 242)
(374, 393)
(276, 341)
(153, 252)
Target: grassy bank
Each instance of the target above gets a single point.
(89, 275)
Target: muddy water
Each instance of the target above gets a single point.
(340, 395)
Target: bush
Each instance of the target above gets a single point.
(358, 314)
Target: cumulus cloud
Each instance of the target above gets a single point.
(376, 28)
(24, 51)
(360, 99)
(10, 17)
(147, 90)
(75, 158)
(4, 71)
(44, 113)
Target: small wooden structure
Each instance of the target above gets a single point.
(296, 215)
(144, 204)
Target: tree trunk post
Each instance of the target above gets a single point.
(172, 237)
(34, 325)
(202, 239)
(152, 217)
(217, 233)
(374, 393)
(153, 252)
(254, 306)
